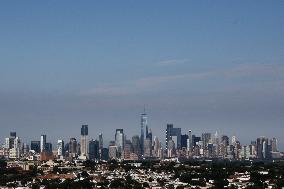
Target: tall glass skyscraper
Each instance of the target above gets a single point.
(42, 143)
(84, 141)
(101, 144)
(144, 124)
(119, 141)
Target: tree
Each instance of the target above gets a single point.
(117, 183)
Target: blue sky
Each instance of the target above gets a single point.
(202, 65)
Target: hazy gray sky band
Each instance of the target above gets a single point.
(203, 66)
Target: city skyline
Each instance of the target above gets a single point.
(162, 135)
(202, 66)
(178, 145)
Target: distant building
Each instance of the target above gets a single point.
(48, 147)
(171, 149)
(112, 152)
(262, 148)
(72, 147)
(147, 148)
(184, 140)
(223, 146)
(94, 150)
(127, 150)
(189, 141)
(25, 148)
(13, 134)
(157, 152)
(119, 141)
(101, 144)
(84, 141)
(60, 148)
(149, 135)
(136, 145)
(9, 141)
(42, 143)
(143, 124)
(35, 145)
(273, 143)
(206, 139)
(15, 152)
(105, 156)
(173, 134)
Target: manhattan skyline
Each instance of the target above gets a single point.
(202, 66)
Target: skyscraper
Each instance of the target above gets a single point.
(206, 139)
(101, 145)
(128, 149)
(171, 149)
(147, 147)
(173, 134)
(84, 141)
(9, 141)
(60, 148)
(184, 139)
(35, 145)
(17, 147)
(136, 145)
(224, 145)
(262, 150)
(150, 136)
(189, 141)
(274, 145)
(13, 134)
(119, 141)
(144, 124)
(94, 149)
(158, 151)
(42, 143)
(72, 147)
(48, 147)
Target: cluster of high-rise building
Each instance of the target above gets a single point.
(177, 145)
(212, 146)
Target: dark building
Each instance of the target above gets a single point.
(94, 147)
(66, 147)
(13, 134)
(195, 140)
(184, 141)
(48, 147)
(172, 133)
(105, 154)
(84, 130)
(35, 145)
